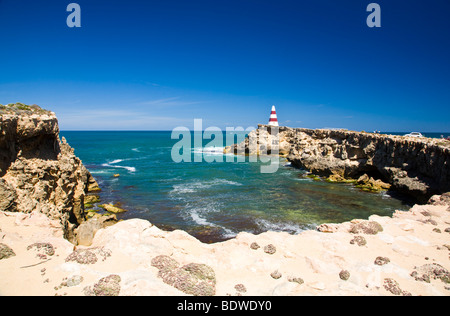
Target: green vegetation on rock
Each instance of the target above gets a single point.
(19, 108)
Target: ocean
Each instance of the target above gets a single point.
(214, 201)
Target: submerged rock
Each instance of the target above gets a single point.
(369, 184)
(113, 209)
(91, 199)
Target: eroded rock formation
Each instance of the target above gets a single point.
(38, 171)
(419, 167)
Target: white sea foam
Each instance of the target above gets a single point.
(182, 188)
(303, 179)
(279, 226)
(201, 221)
(222, 181)
(136, 150)
(211, 150)
(197, 185)
(98, 171)
(130, 169)
(116, 161)
(198, 219)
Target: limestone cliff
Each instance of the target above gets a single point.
(419, 167)
(38, 171)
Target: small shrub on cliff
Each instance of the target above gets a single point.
(21, 108)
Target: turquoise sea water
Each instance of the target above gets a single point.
(214, 201)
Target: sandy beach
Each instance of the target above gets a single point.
(406, 254)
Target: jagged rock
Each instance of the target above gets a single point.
(113, 209)
(38, 171)
(417, 167)
(8, 197)
(369, 184)
(91, 199)
(86, 231)
(93, 185)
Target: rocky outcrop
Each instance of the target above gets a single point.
(406, 254)
(419, 167)
(38, 171)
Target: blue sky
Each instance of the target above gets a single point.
(155, 65)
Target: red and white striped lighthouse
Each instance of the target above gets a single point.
(273, 121)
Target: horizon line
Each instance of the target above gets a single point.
(168, 130)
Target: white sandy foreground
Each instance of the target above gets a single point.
(409, 240)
